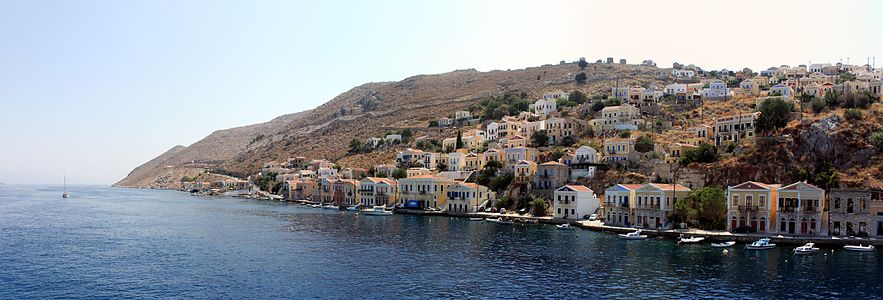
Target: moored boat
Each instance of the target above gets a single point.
(377, 211)
(761, 244)
(636, 235)
(859, 248)
(726, 244)
(565, 227)
(330, 206)
(499, 221)
(690, 240)
(476, 219)
(809, 248)
(353, 208)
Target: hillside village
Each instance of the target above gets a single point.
(786, 150)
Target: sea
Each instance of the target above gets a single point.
(115, 243)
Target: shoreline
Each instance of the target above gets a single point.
(597, 226)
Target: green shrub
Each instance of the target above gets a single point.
(852, 114)
(818, 105)
(876, 140)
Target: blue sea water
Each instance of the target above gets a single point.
(123, 243)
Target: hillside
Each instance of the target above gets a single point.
(166, 170)
(370, 110)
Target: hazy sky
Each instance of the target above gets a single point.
(94, 88)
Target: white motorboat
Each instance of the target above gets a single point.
(377, 211)
(859, 248)
(636, 235)
(476, 219)
(315, 206)
(809, 248)
(565, 227)
(499, 221)
(761, 244)
(329, 206)
(726, 244)
(690, 240)
(353, 208)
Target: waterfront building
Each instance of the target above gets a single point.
(849, 212)
(465, 197)
(800, 210)
(619, 204)
(424, 191)
(377, 191)
(654, 204)
(751, 204)
(574, 202)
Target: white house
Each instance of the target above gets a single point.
(716, 90)
(554, 95)
(782, 90)
(574, 202)
(586, 154)
(374, 141)
(545, 107)
(327, 173)
(462, 114)
(680, 73)
(445, 121)
(394, 138)
(491, 130)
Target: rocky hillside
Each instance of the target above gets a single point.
(370, 110)
(165, 171)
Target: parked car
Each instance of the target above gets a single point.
(744, 229)
(593, 217)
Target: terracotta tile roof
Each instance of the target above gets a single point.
(578, 188)
(631, 186)
(669, 187)
(752, 185)
(797, 186)
(552, 163)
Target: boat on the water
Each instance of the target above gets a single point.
(565, 227)
(65, 195)
(329, 206)
(636, 235)
(726, 244)
(353, 208)
(859, 248)
(377, 211)
(315, 206)
(476, 219)
(499, 221)
(690, 240)
(761, 244)
(809, 248)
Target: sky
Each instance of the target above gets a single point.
(92, 89)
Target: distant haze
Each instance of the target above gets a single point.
(92, 89)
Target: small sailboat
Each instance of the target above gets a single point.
(726, 244)
(565, 227)
(859, 248)
(809, 248)
(761, 244)
(636, 235)
(65, 194)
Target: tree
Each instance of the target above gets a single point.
(582, 63)
(539, 207)
(844, 77)
(832, 98)
(539, 138)
(459, 143)
(644, 144)
(852, 114)
(818, 105)
(712, 207)
(876, 140)
(598, 105)
(581, 78)
(774, 113)
(705, 153)
(568, 141)
(433, 123)
(399, 173)
(578, 97)
(625, 134)
(355, 146)
(442, 167)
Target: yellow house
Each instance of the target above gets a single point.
(752, 204)
(474, 162)
(424, 191)
(654, 204)
(676, 151)
(524, 170)
(516, 141)
(619, 204)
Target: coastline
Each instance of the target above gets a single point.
(709, 235)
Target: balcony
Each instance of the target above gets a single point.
(810, 209)
(788, 208)
(748, 207)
